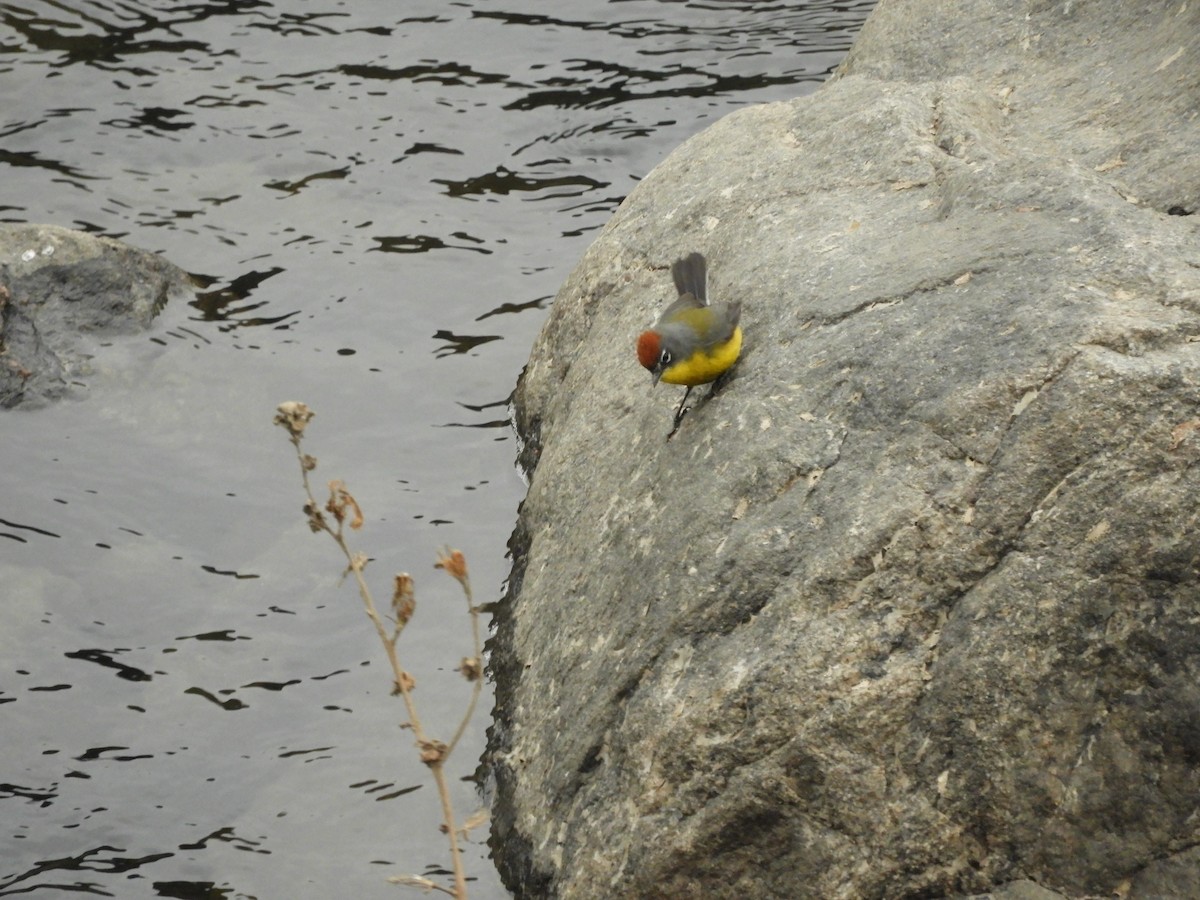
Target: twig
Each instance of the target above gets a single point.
(343, 508)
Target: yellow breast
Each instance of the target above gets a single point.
(704, 366)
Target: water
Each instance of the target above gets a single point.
(381, 199)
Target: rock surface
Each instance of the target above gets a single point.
(909, 607)
(59, 291)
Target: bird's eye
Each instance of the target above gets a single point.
(665, 358)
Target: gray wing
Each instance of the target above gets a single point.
(685, 301)
(718, 329)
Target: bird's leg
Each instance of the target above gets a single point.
(679, 412)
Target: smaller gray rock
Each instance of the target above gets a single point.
(57, 288)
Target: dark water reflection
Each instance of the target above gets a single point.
(380, 199)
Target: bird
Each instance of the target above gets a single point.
(692, 342)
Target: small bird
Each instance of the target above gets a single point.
(692, 342)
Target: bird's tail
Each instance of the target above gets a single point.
(691, 276)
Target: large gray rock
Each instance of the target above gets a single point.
(60, 291)
(911, 606)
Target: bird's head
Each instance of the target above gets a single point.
(653, 354)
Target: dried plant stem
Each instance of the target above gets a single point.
(294, 417)
(476, 682)
(404, 686)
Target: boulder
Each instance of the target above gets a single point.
(910, 605)
(61, 290)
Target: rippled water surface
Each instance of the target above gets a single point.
(381, 198)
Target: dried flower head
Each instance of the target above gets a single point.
(471, 668)
(316, 520)
(454, 564)
(432, 752)
(293, 416)
(341, 503)
(405, 683)
(404, 600)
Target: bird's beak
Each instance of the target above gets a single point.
(654, 376)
